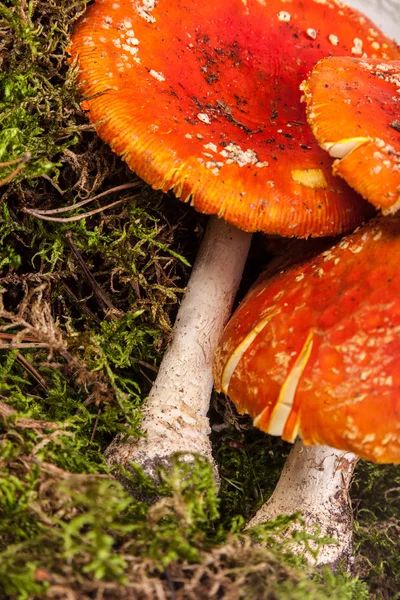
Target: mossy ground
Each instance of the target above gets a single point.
(85, 315)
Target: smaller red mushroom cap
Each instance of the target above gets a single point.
(353, 107)
(314, 350)
(203, 98)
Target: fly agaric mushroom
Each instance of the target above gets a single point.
(196, 97)
(314, 351)
(353, 107)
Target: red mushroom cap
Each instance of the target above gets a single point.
(353, 107)
(202, 97)
(315, 349)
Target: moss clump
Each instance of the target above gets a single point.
(376, 500)
(38, 101)
(85, 314)
(84, 534)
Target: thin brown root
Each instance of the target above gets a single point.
(63, 209)
(34, 213)
(21, 164)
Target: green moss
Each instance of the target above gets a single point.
(376, 499)
(251, 463)
(84, 530)
(38, 103)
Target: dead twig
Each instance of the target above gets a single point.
(7, 411)
(60, 473)
(29, 367)
(102, 298)
(78, 301)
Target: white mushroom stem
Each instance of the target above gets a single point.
(315, 482)
(175, 413)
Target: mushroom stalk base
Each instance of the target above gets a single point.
(315, 482)
(175, 414)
